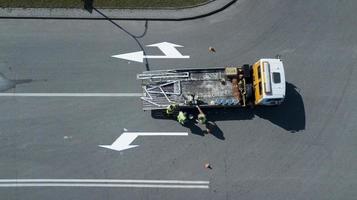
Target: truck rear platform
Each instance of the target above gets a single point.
(216, 87)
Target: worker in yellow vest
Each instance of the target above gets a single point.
(171, 109)
(182, 117)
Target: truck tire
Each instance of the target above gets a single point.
(247, 71)
(249, 89)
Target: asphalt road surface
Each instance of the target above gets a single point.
(304, 149)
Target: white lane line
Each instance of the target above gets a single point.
(100, 181)
(70, 94)
(101, 185)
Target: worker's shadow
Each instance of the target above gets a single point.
(290, 115)
(201, 130)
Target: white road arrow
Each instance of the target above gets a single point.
(169, 50)
(125, 139)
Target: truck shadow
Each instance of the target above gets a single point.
(290, 115)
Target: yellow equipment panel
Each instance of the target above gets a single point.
(257, 83)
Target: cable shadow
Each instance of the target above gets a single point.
(145, 30)
(290, 115)
(134, 37)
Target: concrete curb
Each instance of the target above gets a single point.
(180, 14)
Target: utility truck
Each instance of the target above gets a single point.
(260, 84)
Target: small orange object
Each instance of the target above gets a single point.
(208, 166)
(211, 49)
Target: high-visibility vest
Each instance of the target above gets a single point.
(181, 117)
(170, 109)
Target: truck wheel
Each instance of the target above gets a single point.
(249, 89)
(247, 70)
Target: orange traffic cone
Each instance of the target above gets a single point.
(211, 49)
(208, 166)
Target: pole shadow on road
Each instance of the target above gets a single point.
(135, 37)
(290, 115)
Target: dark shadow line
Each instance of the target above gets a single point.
(22, 81)
(145, 30)
(131, 19)
(130, 34)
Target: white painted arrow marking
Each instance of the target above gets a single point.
(168, 49)
(134, 56)
(125, 139)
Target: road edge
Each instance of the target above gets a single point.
(180, 14)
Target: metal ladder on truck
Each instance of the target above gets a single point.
(160, 88)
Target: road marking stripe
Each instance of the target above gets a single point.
(158, 133)
(123, 142)
(99, 181)
(100, 185)
(70, 94)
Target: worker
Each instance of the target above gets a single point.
(182, 117)
(201, 118)
(171, 109)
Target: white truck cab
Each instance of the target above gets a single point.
(268, 82)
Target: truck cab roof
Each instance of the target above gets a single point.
(275, 78)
